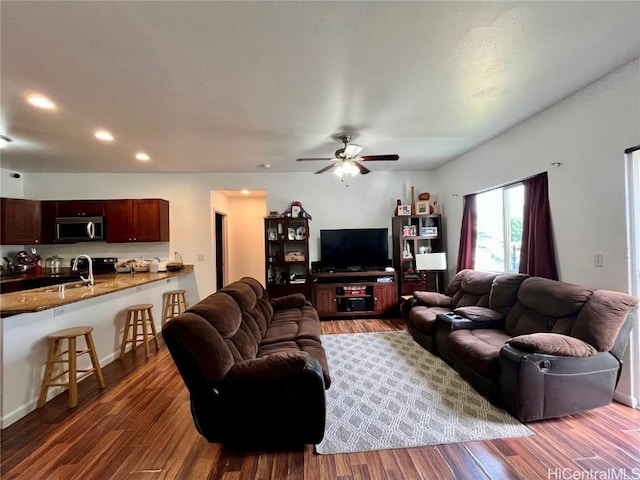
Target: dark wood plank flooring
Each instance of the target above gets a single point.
(140, 427)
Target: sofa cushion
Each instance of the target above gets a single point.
(546, 305)
(602, 317)
(471, 287)
(310, 346)
(479, 314)
(478, 348)
(293, 324)
(253, 302)
(424, 318)
(295, 300)
(504, 291)
(553, 344)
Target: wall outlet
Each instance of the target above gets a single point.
(200, 257)
(598, 259)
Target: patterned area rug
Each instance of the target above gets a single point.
(388, 392)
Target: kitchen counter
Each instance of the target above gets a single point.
(39, 299)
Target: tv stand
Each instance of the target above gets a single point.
(355, 293)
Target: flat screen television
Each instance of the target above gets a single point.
(353, 249)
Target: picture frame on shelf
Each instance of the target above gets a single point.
(429, 231)
(404, 210)
(423, 208)
(272, 234)
(409, 231)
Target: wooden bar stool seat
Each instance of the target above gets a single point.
(174, 303)
(139, 316)
(69, 358)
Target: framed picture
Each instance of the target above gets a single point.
(429, 231)
(272, 234)
(423, 208)
(404, 210)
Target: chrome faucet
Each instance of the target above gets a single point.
(74, 267)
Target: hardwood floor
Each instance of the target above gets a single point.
(140, 427)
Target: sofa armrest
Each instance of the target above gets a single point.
(294, 300)
(432, 299)
(535, 386)
(553, 344)
(269, 367)
(451, 321)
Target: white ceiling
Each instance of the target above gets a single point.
(227, 86)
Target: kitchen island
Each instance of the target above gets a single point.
(29, 316)
(45, 298)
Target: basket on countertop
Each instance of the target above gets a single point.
(176, 265)
(125, 267)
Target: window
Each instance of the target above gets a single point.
(499, 228)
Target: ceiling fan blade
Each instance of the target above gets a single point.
(328, 167)
(352, 150)
(312, 159)
(377, 158)
(363, 170)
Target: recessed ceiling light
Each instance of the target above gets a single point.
(142, 156)
(41, 101)
(104, 135)
(244, 191)
(4, 141)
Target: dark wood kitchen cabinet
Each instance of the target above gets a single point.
(48, 214)
(20, 221)
(137, 220)
(80, 208)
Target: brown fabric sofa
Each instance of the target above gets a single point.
(556, 350)
(469, 295)
(255, 368)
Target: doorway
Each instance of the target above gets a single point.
(632, 358)
(220, 249)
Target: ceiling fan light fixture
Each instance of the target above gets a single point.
(346, 169)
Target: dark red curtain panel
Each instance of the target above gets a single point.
(467, 234)
(537, 255)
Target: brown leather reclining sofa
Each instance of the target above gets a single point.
(254, 366)
(537, 347)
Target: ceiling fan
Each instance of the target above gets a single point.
(347, 161)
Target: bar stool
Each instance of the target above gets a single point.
(139, 315)
(69, 357)
(174, 303)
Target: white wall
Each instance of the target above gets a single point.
(369, 201)
(588, 132)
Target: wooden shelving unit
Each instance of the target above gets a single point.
(287, 256)
(411, 235)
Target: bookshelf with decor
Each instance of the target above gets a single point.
(416, 235)
(286, 238)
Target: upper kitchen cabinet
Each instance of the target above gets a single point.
(20, 221)
(48, 214)
(138, 220)
(81, 208)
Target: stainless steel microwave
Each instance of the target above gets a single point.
(79, 229)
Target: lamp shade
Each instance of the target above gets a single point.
(431, 261)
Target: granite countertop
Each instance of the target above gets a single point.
(38, 299)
